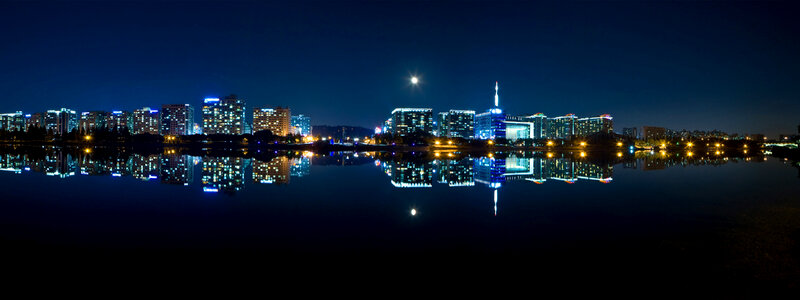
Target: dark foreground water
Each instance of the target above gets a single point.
(706, 219)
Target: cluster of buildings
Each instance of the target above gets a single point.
(225, 115)
(653, 133)
(492, 124)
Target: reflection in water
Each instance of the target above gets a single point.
(409, 170)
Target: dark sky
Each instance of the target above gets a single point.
(730, 66)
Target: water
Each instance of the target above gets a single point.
(734, 219)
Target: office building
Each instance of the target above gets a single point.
(61, 121)
(526, 127)
(653, 133)
(12, 121)
(120, 121)
(491, 124)
(223, 116)
(592, 125)
(92, 121)
(276, 120)
(562, 127)
(34, 120)
(145, 121)
(630, 132)
(301, 124)
(177, 119)
(456, 123)
(406, 121)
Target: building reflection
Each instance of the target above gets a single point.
(405, 170)
(224, 174)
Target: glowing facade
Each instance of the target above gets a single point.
(490, 124)
(146, 120)
(562, 127)
(301, 124)
(177, 119)
(120, 121)
(456, 123)
(276, 120)
(92, 121)
(12, 121)
(592, 125)
(61, 121)
(406, 121)
(223, 116)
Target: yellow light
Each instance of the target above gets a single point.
(745, 145)
(663, 145)
(87, 150)
(745, 151)
(437, 142)
(619, 144)
(549, 143)
(491, 142)
(583, 144)
(717, 144)
(490, 155)
(583, 154)
(717, 153)
(663, 153)
(449, 154)
(689, 153)
(436, 154)
(88, 137)
(449, 142)
(549, 155)
(690, 144)
(619, 154)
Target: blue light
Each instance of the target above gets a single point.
(209, 100)
(153, 111)
(116, 112)
(210, 190)
(116, 174)
(152, 177)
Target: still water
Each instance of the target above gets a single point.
(734, 218)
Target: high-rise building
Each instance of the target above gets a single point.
(176, 169)
(653, 133)
(592, 125)
(145, 120)
(274, 171)
(12, 121)
(412, 120)
(630, 132)
(120, 121)
(562, 127)
(92, 121)
(223, 116)
(456, 123)
(301, 124)
(276, 120)
(439, 126)
(526, 127)
(177, 119)
(34, 120)
(61, 121)
(491, 124)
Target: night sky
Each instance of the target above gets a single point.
(728, 66)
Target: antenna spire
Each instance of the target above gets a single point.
(496, 98)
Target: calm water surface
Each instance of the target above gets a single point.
(736, 219)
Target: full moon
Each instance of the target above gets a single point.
(414, 80)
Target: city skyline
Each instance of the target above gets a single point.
(674, 65)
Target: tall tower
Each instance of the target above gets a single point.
(496, 98)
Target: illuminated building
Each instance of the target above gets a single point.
(145, 120)
(653, 133)
(562, 127)
(176, 169)
(526, 127)
(274, 171)
(387, 126)
(223, 116)
(92, 121)
(276, 120)
(592, 125)
(301, 124)
(456, 123)
(120, 121)
(490, 171)
(630, 132)
(491, 124)
(177, 119)
(12, 121)
(411, 120)
(300, 166)
(34, 120)
(61, 121)
(223, 174)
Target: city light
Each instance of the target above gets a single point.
(583, 154)
(87, 138)
(619, 144)
(437, 143)
(549, 155)
(619, 154)
(689, 144)
(689, 153)
(549, 143)
(491, 142)
(583, 144)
